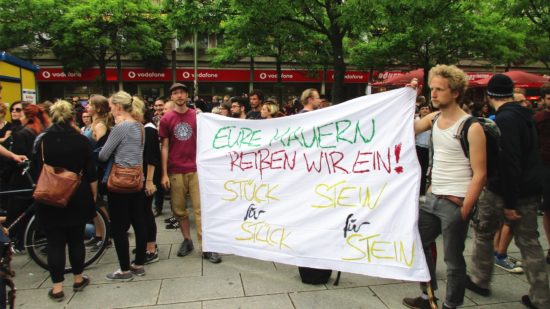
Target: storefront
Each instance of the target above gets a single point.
(17, 79)
(54, 83)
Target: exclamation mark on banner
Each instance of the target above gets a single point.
(397, 152)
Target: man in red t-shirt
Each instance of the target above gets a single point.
(178, 133)
(542, 119)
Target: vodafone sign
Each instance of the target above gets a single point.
(204, 75)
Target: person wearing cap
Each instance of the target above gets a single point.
(456, 184)
(516, 189)
(178, 133)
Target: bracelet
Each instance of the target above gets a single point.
(149, 180)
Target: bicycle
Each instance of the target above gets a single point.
(35, 240)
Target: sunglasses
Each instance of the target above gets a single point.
(17, 109)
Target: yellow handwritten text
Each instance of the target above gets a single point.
(342, 194)
(248, 190)
(263, 232)
(372, 247)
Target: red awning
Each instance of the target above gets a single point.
(521, 80)
(402, 80)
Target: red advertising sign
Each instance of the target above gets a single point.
(208, 75)
(57, 74)
(145, 75)
(294, 76)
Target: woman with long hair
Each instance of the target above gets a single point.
(125, 146)
(33, 122)
(98, 109)
(63, 146)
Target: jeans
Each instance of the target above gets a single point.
(440, 216)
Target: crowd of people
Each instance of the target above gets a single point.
(457, 188)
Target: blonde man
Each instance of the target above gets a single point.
(457, 182)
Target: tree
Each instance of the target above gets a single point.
(537, 13)
(424, 33)
(25, 24)
(98, 31)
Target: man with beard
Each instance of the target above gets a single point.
(256, 101)
(178, 132)
(238, 108)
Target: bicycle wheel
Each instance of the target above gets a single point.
(36, 243)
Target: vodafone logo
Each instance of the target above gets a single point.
(46, 74)
(132, 74)
(186, 74)
(263, 75)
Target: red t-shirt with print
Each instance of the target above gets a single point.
(181, 130)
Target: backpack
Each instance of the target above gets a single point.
(492, 138)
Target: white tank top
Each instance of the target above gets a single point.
(451, 171)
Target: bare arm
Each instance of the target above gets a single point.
(99, 130)
(424, 124)
(478, 162)
(150, 187)
(164, 162)
(6, 136)
(93, 188)
(8, 154)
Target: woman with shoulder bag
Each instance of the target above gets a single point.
(125, 145)
(63, 146)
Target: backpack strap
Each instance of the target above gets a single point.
(462, 134)
(432, 138)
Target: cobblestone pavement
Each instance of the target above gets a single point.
(193, 283)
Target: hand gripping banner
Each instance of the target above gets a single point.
(335, 188)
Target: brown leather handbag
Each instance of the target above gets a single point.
(56, 185)
(126, 179)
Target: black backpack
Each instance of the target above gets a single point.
(492, 138)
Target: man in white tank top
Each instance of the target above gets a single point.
(456, 183)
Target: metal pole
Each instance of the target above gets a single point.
(195, 61)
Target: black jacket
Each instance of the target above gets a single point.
(519, 172)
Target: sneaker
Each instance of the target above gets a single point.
(151, 257)
(173, 225)
(186, 247)
(92, 242)
(137, 271)
(470, 285)
(98, 245)
(445, 306)
(212, 257)
(157, 212)
(58, 297)
(77, 287)
(525, 300)
(120, 276)
(417, 303)
(515, 261)
(170, 220)
(508, 266)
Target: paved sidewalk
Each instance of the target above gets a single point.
(193, 283)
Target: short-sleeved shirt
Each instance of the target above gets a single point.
(181, 131)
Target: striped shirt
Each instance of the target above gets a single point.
(126, 142)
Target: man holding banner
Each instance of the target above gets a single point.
(456, 183)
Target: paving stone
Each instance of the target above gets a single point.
(117, 295)
(234, 264)
(192, 305)
(349, 298)
(274, 282)
(348, 280)
(200, 288)
(392, 294)
(30, 276)
(504, 288)
(279, 301)
(38, 298)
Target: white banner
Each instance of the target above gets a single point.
(336, 188)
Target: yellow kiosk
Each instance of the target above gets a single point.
(17, 78)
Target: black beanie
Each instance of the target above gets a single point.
(500, 86)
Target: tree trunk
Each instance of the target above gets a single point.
(103, 77)
(339, 69)
(279, 85)
(119, 71)
(426, 88)
(251, 83)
